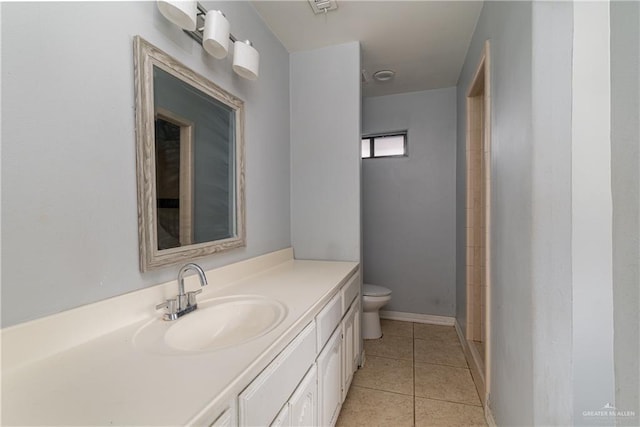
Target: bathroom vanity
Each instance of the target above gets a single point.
(91, 365)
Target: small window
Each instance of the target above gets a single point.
(387, 145)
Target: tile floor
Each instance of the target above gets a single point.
(415, 375)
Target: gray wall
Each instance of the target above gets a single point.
(625, 164)
(325, 153)
(508, 26)
(548, 364)
(409, 203)
(591, 216)
(69, 210)
(551, 279)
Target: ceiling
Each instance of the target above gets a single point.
(424, 42)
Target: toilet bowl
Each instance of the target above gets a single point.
(373, 298)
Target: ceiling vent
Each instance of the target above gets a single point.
(320, 6)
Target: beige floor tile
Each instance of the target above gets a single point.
(397, 328)
(444, 414)
(390, 346)
(435, 333)
(443, 353)
(445, 383)
(366, 407)
(386, 374)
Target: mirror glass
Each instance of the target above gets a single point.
(190, 162)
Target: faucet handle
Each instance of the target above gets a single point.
(171, 305)
(192, 296)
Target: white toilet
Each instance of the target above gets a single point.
(373, 298)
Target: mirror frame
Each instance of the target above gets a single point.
(146, 56)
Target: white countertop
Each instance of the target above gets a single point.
(109, 381)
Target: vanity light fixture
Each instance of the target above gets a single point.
(246, 59)
(216, 34)
(211, 30)
(181, 13)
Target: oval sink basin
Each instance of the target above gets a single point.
(217, 323)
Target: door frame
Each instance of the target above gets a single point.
(478, 112)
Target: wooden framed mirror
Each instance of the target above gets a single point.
(189, 160)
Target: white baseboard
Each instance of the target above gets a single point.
(488, 415)
(461, 337)
(474, 362)
(418, 318)
(472, 357)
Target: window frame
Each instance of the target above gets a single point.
(372, 137)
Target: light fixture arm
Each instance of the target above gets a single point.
(198, 34)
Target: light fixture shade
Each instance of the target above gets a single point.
(215, 38)
(182, 13)
(246, 60)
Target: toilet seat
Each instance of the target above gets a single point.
(375, 291)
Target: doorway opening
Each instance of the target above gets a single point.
(174, 179)
(478, 197)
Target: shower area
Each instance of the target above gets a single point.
(478, 184)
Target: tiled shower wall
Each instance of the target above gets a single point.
(477, 183)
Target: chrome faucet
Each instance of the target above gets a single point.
(183, 303)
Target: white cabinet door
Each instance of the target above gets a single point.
(304, 401)
(224, 420)
(330, 380)
(357, 334)
(283, 419)
(348, 350)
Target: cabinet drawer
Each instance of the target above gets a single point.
(328, 319)
(263, 398)
(350, 291)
